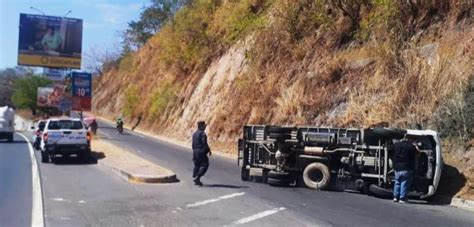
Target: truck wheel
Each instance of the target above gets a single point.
(44, 157)
(380, 192)
(278, 175)
(278, 178)
(85, 156)
(278, 182)
(394, 133)
(245, 174)
(316, 176)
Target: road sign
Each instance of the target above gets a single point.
(54, 74)
(81, 91)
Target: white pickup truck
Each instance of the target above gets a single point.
(65, 136)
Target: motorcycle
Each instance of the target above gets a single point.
(120, 129)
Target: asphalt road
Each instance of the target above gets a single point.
(295, 206)
(15, 183)
(87, 194)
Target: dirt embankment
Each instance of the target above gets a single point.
(233, 63)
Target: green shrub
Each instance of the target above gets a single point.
(126, 63)
(161, 98)
(131, 101)
(206, 26)
(235, 19)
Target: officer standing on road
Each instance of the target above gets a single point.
(403, 157)
(200, 151)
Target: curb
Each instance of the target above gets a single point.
(137, 178)
(463, 203)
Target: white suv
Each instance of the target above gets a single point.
(65, 136)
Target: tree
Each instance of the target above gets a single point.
(152, 18)
(96, 59)
(25, 91)
(7, 76)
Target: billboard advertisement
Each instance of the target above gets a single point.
(54, 97)
(81, 91)
(48, 41)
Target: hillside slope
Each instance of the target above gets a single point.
(232, 63)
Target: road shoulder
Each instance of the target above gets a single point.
(129, 166)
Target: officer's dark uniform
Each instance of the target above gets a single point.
(200, 152)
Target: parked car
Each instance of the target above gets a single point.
(349, 159)
(65, 137)
(37, 133)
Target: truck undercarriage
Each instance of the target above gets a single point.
(336, 158)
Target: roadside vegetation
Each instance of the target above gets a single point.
(311, 62)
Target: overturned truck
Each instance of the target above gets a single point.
(336, 158)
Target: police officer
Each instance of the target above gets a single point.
(200, 151)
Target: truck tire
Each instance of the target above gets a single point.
(275, 178)
(245, 174)
(44, 157)
(278, 175)
(316, 176)
(278, 182)
(85, 156)
(394, 133)
(380, 192)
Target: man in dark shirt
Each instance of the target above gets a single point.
(200, 151)
(403, 158)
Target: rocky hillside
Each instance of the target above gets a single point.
(309, 62)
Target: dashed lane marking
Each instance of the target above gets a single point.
(37, 218)
(257, 216)
(201, 203)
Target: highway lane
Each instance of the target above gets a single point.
(314, 207)
(15, 183)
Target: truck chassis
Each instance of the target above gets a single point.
(336, 158)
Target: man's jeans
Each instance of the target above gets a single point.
(402, 184)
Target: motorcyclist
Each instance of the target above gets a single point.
(93, 125)
(119, 124)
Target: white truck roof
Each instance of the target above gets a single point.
(7, 113)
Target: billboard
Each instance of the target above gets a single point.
(81, 91)
(54, 97)
(49, 41)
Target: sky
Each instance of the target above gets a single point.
(103, 20)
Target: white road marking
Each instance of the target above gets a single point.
(143, 137)
(58, 199)
(65, 218)
(257, 216)
(81, 201)
(37, 218)
(215, 200)
(139, 151)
